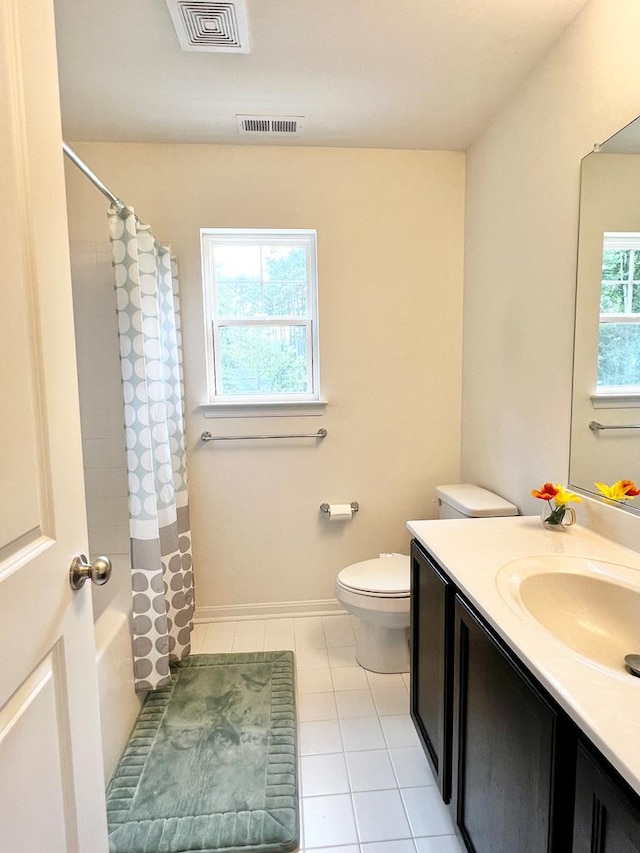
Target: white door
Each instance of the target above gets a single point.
(51, 788)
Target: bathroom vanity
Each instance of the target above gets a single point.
(536, 746)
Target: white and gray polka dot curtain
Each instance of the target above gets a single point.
(151, 362)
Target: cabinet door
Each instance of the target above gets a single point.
(607, 813)
(432, 597)
(509, 795)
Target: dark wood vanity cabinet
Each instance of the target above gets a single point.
(432, 598)
(519, 774)
(511, 750)
(607, 810)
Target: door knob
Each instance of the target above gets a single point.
(98, 572)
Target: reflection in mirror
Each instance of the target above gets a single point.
(618, 339)
(605, 420)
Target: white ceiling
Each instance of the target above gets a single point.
(424, 74)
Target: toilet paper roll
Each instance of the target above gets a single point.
(340, 512)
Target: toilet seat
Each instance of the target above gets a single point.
(387, 576)
(368, 594)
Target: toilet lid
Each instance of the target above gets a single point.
(386, 575)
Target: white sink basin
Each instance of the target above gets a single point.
(591, 606)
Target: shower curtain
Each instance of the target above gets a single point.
(151, 363)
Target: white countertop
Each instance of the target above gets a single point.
(606, 706)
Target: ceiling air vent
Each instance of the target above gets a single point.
(213, 27)
(270, 125)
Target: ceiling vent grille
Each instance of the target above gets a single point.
(270, 125)
(213, 27)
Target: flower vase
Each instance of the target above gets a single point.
(558, 518)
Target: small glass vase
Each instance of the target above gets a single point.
(557, 518)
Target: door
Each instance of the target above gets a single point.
(607, 813)
(432, 597)
(51, 784)
(513, 750)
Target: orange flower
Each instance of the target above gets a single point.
(545, 493)
(629, 488)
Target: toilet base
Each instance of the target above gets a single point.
(382, 649)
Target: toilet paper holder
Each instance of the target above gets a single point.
(355, 506)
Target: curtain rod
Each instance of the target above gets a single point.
(95, 180)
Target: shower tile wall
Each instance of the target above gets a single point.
(101, 407)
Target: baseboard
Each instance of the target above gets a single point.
(268, 610)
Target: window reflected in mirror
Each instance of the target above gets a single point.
(619, 334)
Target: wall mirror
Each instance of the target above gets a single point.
(605, 414)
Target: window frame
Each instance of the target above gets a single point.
(309, 402)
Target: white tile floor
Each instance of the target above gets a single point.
(365, 784)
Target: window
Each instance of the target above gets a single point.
(261, 311)
(619, 334)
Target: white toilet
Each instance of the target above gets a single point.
(378, 591)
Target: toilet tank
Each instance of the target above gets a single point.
(464, 500)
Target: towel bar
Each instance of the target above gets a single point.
(206, 436)
(594, 426)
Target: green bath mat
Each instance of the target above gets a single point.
(211, 763)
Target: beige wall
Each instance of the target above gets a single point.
(390, 248)
(520, 254)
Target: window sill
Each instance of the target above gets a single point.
(616, 400)
(275, 409)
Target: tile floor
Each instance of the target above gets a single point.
(364, 782)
